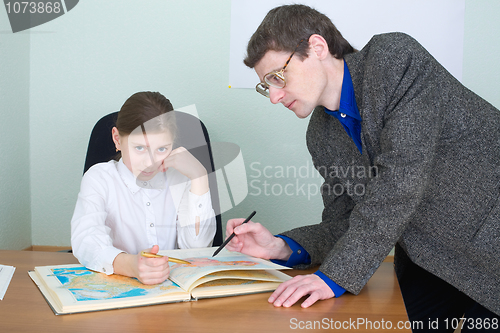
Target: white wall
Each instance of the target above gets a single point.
(481, 49)
(86, 63)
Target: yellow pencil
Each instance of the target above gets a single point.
(152, 255)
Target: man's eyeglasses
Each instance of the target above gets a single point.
(275, 79)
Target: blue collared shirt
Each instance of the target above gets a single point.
(348, 112)
(301, 256)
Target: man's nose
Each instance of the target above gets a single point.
(276, 94)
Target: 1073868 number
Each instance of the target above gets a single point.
(33, 7)
(471, 323)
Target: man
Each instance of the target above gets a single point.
(425, 155)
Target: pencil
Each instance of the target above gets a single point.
(152, 255)
(232, 235)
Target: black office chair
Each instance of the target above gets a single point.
(191, 134)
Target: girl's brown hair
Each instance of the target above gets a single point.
(150, 110)
(140, 108)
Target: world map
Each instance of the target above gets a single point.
(87, 285)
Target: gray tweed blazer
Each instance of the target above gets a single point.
(428, 178)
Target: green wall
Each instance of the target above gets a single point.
(59, 78)
(15, 197)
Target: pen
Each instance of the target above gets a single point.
(152, 255)
(232, 235)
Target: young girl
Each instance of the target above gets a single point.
(153, 197)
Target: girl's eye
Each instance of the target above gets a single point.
(139, 148)
(162, 149)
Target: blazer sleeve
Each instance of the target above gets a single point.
(401, 92)
(397, 83)
(319, 239)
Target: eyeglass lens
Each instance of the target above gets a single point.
(275, 79)
(262, 89)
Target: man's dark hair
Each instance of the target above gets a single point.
(284, 27)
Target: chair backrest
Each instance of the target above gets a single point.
(101, 147)
(191, 134)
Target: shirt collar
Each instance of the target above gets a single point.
(134, 185)
(347, 98)
(348, 112)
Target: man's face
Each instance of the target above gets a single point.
(305, 81)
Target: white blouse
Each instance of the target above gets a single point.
(113, 214)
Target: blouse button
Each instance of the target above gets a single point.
(200, 205)
(148, 203)
(151, 225)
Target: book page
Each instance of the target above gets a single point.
(232, 287)
(202, 264)
(6, 273)
(244, 277)
(74, 288)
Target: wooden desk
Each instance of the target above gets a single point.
(25, 310)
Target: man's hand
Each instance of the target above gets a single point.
(289, 292)
(255, 240)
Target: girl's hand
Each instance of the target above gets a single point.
(146, 270)
(184, 162)
(152, 270)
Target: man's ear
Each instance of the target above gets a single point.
(116, 138)
(319, 46)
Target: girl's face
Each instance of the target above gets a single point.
(143, 154)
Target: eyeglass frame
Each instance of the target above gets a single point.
(263, 87)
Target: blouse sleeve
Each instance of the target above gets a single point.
(90, 237)
(191, 209)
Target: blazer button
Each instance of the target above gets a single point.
(342, 115)
(299, 251)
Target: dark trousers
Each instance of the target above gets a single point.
(434, 305)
